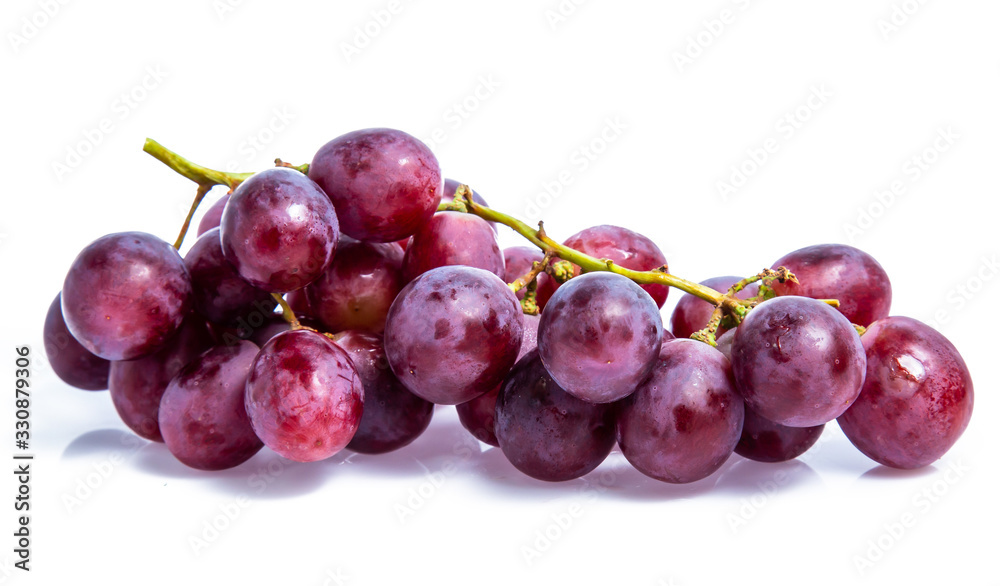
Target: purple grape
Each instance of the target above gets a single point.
(384, 183)
(271, 328)
(137, 386)
(797, 361)
(917, 398)
(304, 396)
(544, 431)
(453, 333)
(683, 422)
(692, 313)
(125, 295)
(448, 195)
(203, 417)
(213, 216)
(279, 230)
(453, 238)
(838, 271)
(479, 415)
(599, 336)
(766, 441)
(71, 362)
(298, 300)
(624, 247)
(393, 416)
(220, 294)
(358, 287)
(518, 261)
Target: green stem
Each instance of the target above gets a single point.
(201, 175)
(286, 311)
(202, 191)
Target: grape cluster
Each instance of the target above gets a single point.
(330, 307)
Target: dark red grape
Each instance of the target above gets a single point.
(518, 261)
(599, 336)
(797, 361)
(279, 230)
(626, 248)
(838, 271)
(384, 183)
(917, 398)
(299, 301)
(138, 385)
(393, 416)
(71, 362)
(453, 238)
(272, 327)
(683, 422)
(453, 333)
(544, 431)
(203, 416)
(213, 216)
(448, 195)
(692, 313)
(479, 415)
(220, 294)
(304, 396)
(766, 441)
(356, 290)
(125, 295)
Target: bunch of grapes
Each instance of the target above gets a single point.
(329, 306)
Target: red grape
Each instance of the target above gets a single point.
(220, 294)
(917, 398)
(692, 313)
(384, 183)
(453, 238)
(448, 195)
(213, 216)
(518, 261)
(71, 362)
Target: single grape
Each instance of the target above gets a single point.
(125, 295)
(544, 431)
(453, 238)
(304, 396)
(622, 246)
(841, 272)
(358, 287)
(518, 261)
(692, 313)
(203, 417)
(479, 415)
(393, 416)
(453, 333)
(384, 183)
(137, 386)
(279, 230)
(220, 294)
(270, 328)
(299, 301)
(917, 398)
(71, 362)
(448, 195)
(683, 422)
(599, 336)
(213, 216)
(797, 361)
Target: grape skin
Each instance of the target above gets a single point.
(393, 416)
(841, 272)
(74, 364)
(279, 230)
(453, 333)
(683, 422)
(202, 415)
(544, 431)
(125, 295)
(453, 238)
(599, 336)
(797, 361)
(213, 216)
(448, 195)
(917, 398)
(384, 183)
(304, 396)
(220, 295)
(518, 261)
(692, 313)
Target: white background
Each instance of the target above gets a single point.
(666, 98)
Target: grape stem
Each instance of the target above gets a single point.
(286, 312)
